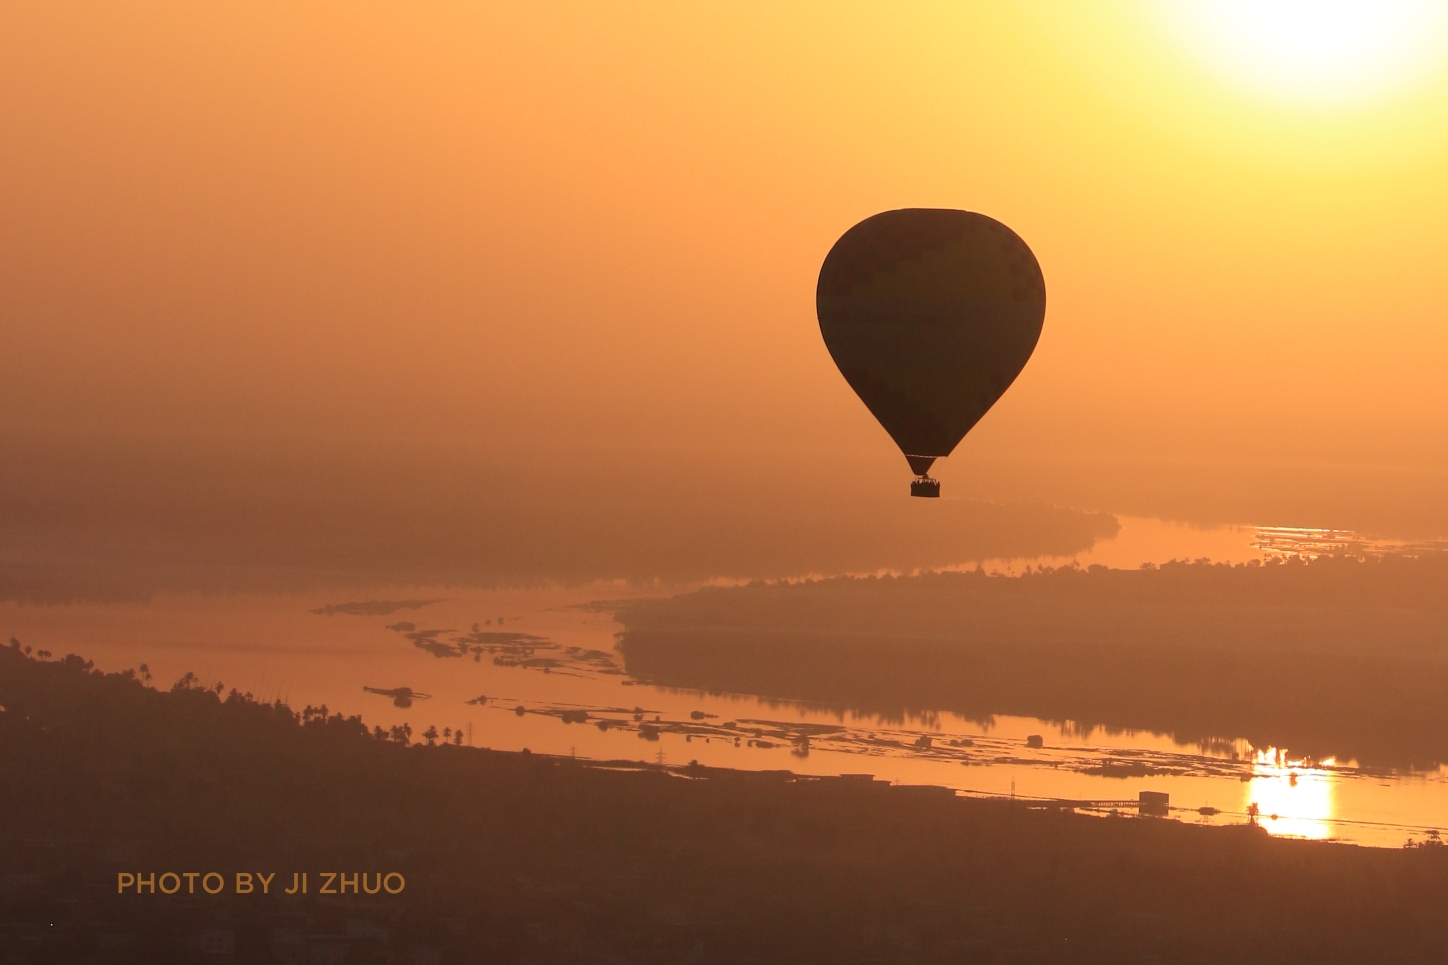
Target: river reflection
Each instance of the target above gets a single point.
(1292, 797)
(540, 671)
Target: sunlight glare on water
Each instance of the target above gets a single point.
(1292, 797)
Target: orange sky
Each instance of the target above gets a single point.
(595, 228)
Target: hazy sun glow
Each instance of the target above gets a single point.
(1315, 51)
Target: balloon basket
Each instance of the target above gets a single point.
(925, 486)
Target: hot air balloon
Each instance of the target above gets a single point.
(930, 314)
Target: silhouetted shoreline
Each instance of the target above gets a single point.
(522, 857)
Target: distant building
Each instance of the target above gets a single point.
(1154, 803)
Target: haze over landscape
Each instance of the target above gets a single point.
(298, 246)
(432, 439)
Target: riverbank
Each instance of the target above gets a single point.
(517, 856)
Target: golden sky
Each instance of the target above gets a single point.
(596, 228)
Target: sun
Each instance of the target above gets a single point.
(1314, 52)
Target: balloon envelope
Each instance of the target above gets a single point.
(930, 315)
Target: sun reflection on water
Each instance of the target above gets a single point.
(1291, 797)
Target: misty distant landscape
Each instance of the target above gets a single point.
(124, 521)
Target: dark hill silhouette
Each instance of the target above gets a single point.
(521, 857)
